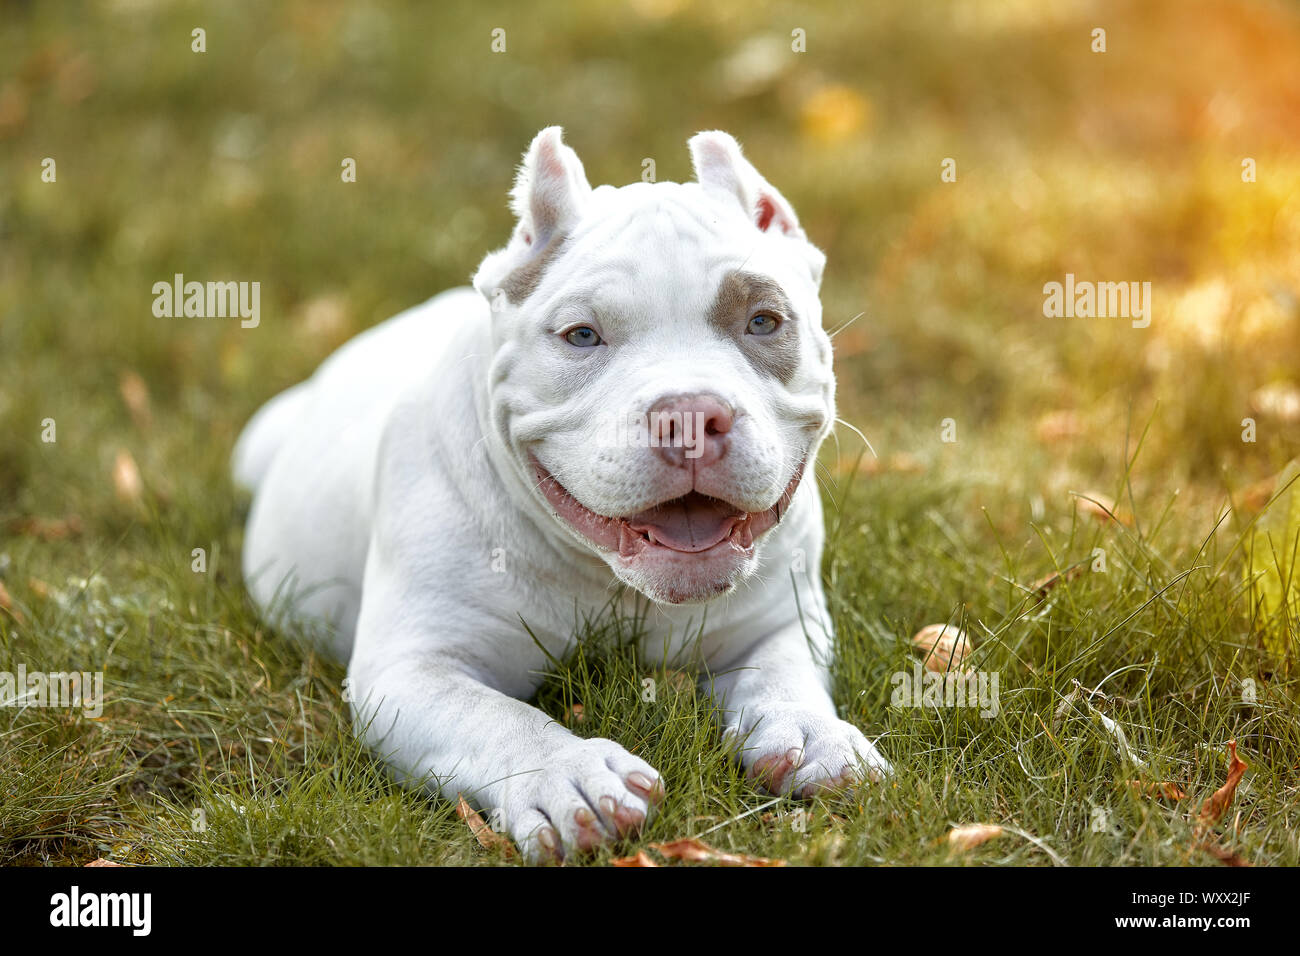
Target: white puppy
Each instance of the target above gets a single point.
(633, 393)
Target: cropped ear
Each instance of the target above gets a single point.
(720, 167)
(550, 189)
(548, 198)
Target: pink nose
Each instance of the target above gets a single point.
(691, 430)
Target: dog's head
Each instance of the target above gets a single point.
(660, 376)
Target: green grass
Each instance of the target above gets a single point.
(1122, 166)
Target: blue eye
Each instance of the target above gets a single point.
(763, 324)
(584, 337)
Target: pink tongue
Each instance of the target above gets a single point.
(692, 523)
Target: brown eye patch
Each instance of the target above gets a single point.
(522, 283)
(740, 296)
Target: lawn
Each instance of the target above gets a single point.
(1129, 641)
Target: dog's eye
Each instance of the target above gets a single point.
(763, 324)
(584, 337)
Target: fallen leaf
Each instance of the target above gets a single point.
(691, 850)
(968, 837)
(487, 838)
(575, 714)
(1043, 585)
(1164, 789)
(641, 859)
(126, 478)
(945, 646)
(1212, 810)
(102, 862)
(135, 395)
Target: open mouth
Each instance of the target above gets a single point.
(693, 524)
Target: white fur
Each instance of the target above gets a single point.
(395, 511)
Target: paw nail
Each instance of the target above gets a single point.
(654, 789)
(584, 817)
(628, 821)
(608, 806)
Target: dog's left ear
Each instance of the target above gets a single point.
(548, 198)
(720, 167)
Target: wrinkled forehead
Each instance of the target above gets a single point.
(669, 245)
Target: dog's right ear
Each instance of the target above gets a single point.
(549, 195)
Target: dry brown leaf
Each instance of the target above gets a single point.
(1212, 810)
(575, 714)
(691, 850)
(1164, 789)
(135, 395)
(945, 646)
(102, 862)
(47, 529)
(641, 859)
(487, 838)
(126, 478)
(968, 837)
(1043, 585)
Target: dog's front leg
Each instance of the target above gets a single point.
(775, 706)
(433, 714)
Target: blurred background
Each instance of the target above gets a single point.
(1117, 166)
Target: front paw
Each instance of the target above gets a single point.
(793, 752)
(589, 794)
